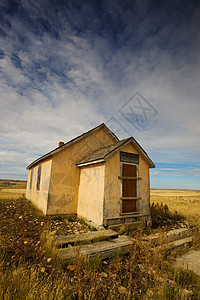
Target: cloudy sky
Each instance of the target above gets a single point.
(67, 66)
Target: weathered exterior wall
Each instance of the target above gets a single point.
(39, 197)
(63, 197)
(91, 193)
(113, 184)
(112, 187)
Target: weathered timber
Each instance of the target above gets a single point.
(182, 242)
(64, 241)
(129, 157)
(126, 177)
(131, 225)
(178, 243)
(130, 198)
(103, 249)
(171, 236)
(127, 216)
(126, 219)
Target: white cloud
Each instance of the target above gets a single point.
(85, 80)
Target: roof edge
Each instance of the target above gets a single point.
(92, 162)
(143, 153)
(76, 139)
(104, 158)
(126, 142)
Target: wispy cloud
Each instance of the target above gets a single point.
(66, 67)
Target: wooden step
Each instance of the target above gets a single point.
(177, 243)
(179, 233)
(103, 249)
(171, 236)
(131, 225)
(125, 219)
(182, 242)
(83, 238)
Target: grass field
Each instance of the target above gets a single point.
(12, 193)
(19, 184)
(30, 267)
(12, 189)
(186, 202)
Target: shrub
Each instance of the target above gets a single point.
(161, 216)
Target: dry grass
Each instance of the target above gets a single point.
(186, 202)
(12, 189)
(142, 274)
(30, 266)
(20, 184)
(11, 193)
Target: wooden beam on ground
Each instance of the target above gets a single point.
(84, 237)
(103, 249)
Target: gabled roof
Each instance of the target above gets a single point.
(103, 153)
(80, 137)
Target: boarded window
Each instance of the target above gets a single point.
(129, 188)
(39, 177)
(31, 179)
(129, 157)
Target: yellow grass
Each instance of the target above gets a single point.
(186, 202)
(19, 184)
(12, 189)
(11, 193)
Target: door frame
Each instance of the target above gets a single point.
(121, 187)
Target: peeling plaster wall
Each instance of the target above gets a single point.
(91, 193)
(39, 197)
(63, 197)
(112, 184)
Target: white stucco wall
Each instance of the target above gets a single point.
(91, 193)
(40, 197)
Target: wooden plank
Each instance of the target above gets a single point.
(127, 177)
(102, 249)
(135, 213)
(129, 188)
(129, 157)
(177, 243)
(125, 219)
(128, 215)
(96, 247)
(131, 225)
(85, 237)
(130, 198)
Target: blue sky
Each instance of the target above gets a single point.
(67, 66)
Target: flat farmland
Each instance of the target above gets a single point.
(12, 189)
(186, 202)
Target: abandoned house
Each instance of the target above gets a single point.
(95, 176)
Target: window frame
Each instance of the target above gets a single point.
(39, 173)
(31, 179)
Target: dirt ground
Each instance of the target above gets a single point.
(21, 227)
(190, 261)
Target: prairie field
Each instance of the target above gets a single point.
(12, 189)
(12, 193)
(30, 266)
(186, 202)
